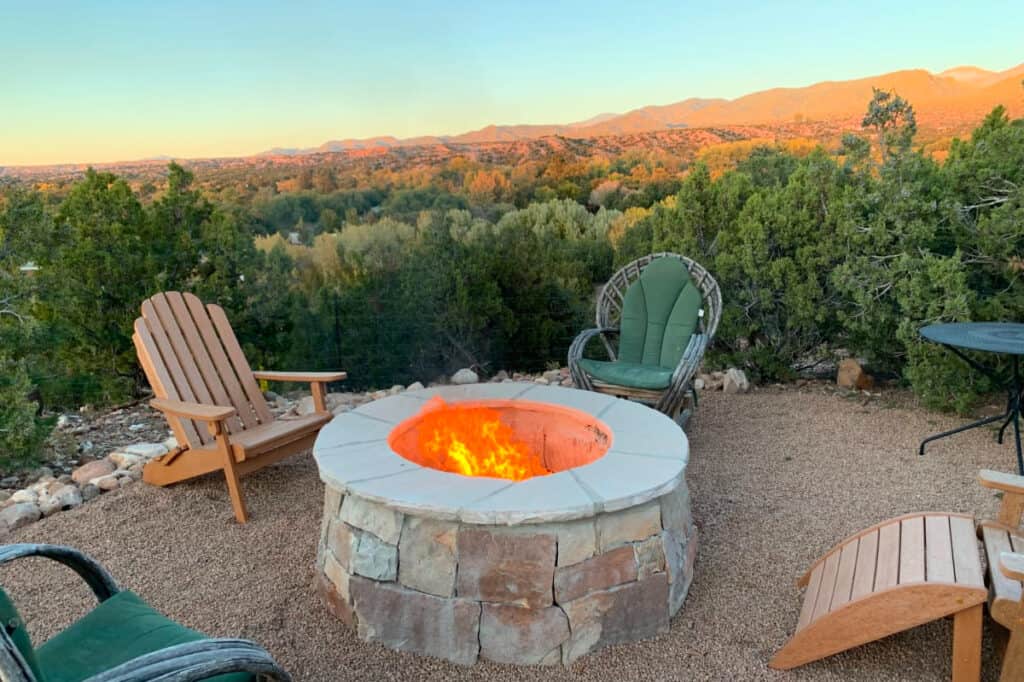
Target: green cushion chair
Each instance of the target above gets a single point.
(123, 639)
(663, 310)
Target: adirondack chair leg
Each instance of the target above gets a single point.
(1013, 660)
(230, 472)
(967, 644)
(319, 401)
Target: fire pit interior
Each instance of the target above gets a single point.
(516, 523)
(513, 439)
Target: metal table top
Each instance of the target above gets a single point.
(993, 337)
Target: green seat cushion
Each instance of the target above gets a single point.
(15, 627)
(629, 374)
(116, 631)
(659, 314)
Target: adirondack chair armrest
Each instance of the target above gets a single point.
(198, 660)
(302, 377)
(196, 411)
(91, 571)
(1008, 483)
(1012, 565)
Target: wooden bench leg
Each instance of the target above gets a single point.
(231, 477)
(967, 645)
(1013, 660)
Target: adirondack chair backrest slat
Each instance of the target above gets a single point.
(189, 352)
(212, 380)
(236, 396)
(160, 380)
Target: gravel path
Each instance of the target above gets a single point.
(777, 477)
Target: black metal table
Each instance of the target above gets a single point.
(1004, 338)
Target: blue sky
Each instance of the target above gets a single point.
(113, 80)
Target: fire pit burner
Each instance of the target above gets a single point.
(567, 527)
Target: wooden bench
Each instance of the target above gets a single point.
(1004, 546)
(891, 577)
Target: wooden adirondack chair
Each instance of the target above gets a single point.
(208, 392)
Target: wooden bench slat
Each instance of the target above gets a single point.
(844, 576)
(828, 584)
(240, 364)
(160, 380)
(966, 563)
(911, 551)
(810, 597)
(887, 571)
(938, 550)
(867, 559)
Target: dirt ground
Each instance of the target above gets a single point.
(777, 477)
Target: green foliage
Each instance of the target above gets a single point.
(21, 432)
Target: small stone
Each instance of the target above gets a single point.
(626, 613)
(552, 375)
(91, 470)
(89, 492)
(630, 525)
(22, 496)
(385, 523)
(396, 389)
(542, 381)
(86, 446)
(735, 381)
(699, 384)
(63, 498)
(377, 395)
(136, 427)
(63, 421)
(5, 495)
(650, 557)
(419, 623)
(599, 573)
(512, 634)
(510, 568)
(65, 478)
(106, 483)
(428, 553)
(568, 382)
(148, 450)
(465, 376)
(9, 482)
(375, 558)
(500, 375)
(170, 443)
(851, 375)
(414, 386)
(40, 473)
(124, 460)
(305, 406)
(125, 481)
(19, 515)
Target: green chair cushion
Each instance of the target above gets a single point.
(659, 314)
(11, 621)
(116, 631)
(631, 374)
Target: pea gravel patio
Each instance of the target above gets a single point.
(777, 476)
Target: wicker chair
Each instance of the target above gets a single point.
(671, 400)
(223, 660)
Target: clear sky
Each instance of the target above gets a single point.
(106, 80)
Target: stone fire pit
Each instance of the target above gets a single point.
(537, 571)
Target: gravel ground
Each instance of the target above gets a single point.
(777, 477)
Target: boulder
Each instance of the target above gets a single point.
(396, 389)
(106, 483)
(19, 515)
(91, 470)
(735, 381)
(851, 375)
(465, 376)
(22, 496)
(415, 386)
(124, 460)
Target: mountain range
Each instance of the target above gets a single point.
(957, 93)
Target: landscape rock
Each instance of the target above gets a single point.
(599, 573)
(735, 381)
(506, 567)
(5, 495)
(851, 375)
(106, 483)
(125, 460)
(19, 515)
(500, 375)
(415, 386)
(396, 389)
(629, 612)
(510, 634)
(428, 556)
(465, 376)
(305, 406)
(22, 496)
(419, 623)
(89, 492)
(40, 473)
(63, 498)
(149, 450)
(650, 556)
(91, 470)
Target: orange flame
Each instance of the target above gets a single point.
(473, 441)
